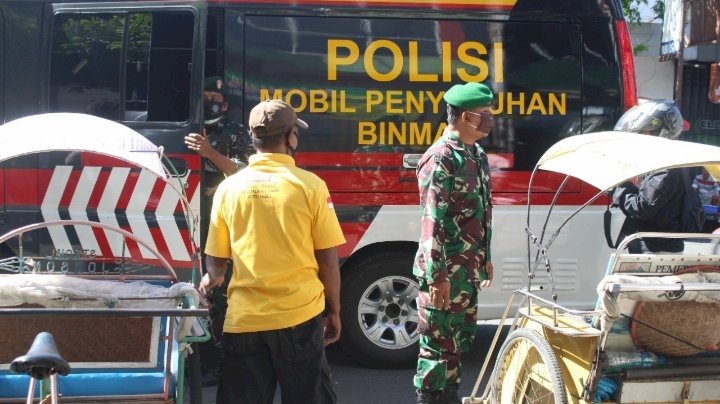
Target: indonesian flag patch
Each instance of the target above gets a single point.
(330, 204)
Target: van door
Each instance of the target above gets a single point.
(139, 63)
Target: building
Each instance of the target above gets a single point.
(656, 70)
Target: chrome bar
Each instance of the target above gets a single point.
(548, 303)
(109, 312)
(671, 287)
(53, 389)
(31, 391)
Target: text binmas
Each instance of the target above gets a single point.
(385, 61)
(404, 133)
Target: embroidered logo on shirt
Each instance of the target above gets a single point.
(254, 177)
(330, 204)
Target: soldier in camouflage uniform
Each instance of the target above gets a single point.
(453, 259)
(225, 147)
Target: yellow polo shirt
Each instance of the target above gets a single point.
(269, 218)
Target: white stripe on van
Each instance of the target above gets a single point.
(106, 208)
(116, 185)
(51, 203)
(136, 210)
(168, 226)
(78, 207)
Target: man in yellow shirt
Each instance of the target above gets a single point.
(277, 224)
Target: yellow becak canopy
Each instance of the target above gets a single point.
(605, 159)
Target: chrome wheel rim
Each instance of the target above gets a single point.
(387, 312)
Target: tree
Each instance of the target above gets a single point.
(631, 8)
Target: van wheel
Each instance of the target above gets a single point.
(379, 312)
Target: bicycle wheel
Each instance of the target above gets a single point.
(527, 371)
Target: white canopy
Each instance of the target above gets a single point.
(605, 159)
(78, 132)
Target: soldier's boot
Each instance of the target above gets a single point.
(427, 397)
(450, 394)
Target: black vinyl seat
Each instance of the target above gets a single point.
(42, 360)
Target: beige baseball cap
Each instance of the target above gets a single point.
(273, 117)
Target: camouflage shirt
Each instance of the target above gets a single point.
(454, 182)
(230, 139)
(233, 142)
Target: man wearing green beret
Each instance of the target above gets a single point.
(453, 259)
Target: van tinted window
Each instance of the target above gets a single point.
(85, 64)
(101, 64)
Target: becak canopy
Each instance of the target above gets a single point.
(78, 132)
(606, 159)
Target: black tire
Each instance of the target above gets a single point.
(527, 371)
(193, 376)
(379, 311)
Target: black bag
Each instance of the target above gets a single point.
(693, 211)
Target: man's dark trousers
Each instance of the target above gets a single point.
(293, 358)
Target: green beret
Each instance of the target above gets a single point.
(468, 95)
(214, 83)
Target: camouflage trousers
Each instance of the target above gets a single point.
(445, 335)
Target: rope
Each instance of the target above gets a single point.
(664, 333)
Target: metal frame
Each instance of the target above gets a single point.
(189, 310)
(526, 298)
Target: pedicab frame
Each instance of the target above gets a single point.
(567, 345)
(85, 133)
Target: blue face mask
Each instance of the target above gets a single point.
(213, 111)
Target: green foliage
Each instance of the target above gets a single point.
(659, 9)
(632, 15)
(632, 11)
(90, 34)
(639, 49)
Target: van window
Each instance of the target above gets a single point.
(100, 64)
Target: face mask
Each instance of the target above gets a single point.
(213, 111)
(487, 121)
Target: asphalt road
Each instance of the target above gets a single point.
(355, 384)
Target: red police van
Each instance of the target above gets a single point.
(367, 75)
